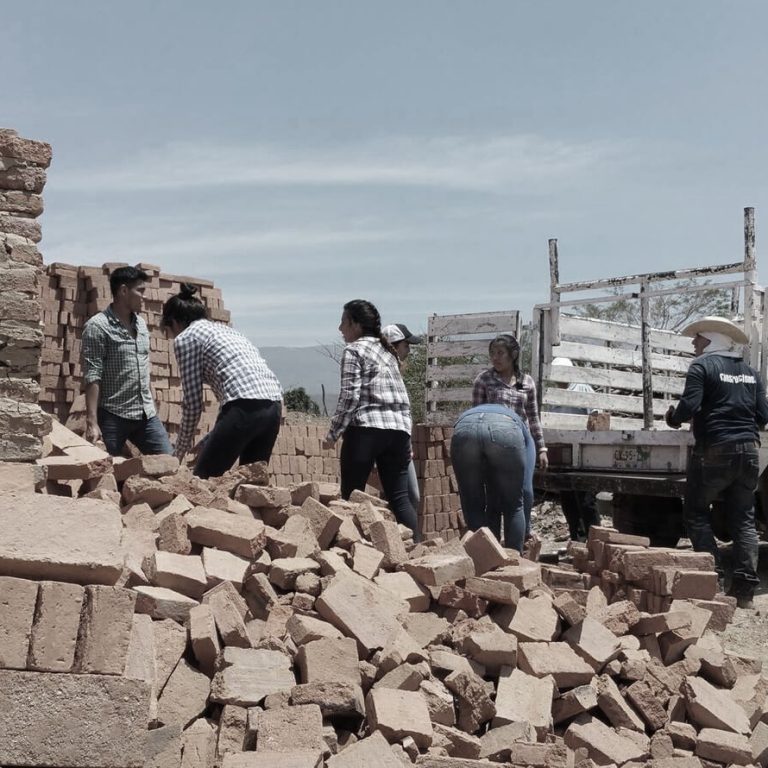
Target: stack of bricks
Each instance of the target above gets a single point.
(440, 513)
(299, 456)
(653, 579)
(70, 295)
(233, 623)
(68, 663)
(22, 178)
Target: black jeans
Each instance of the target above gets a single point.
(580, 510)
(244, 429)
(729, 470)
(390, 450)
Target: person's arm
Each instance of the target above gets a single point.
(189, 356)
(479, 391)
(92, 430)
(761, 405)
(690, 401)
(349, 397)
(94, 347)
(532, 414)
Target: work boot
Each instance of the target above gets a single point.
(744, 596)
(745, 601)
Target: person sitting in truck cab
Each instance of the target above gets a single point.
(505, 384)
(725, 399)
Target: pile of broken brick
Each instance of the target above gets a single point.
(161, 620)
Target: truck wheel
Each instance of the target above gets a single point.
(657, 517)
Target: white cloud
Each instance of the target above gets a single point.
(495, 164)
(160, 245)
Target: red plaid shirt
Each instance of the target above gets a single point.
(489, 388)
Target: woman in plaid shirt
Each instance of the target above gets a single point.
(373, 412)
(505, 384)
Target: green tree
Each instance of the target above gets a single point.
(671, 312)
(415, 378)
(297, 399)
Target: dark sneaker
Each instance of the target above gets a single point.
(745, 601)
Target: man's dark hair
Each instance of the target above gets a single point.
(126, 276)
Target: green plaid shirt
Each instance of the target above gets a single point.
(112, 356)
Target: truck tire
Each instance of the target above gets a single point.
(659, 518)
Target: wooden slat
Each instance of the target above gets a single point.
(602, 401)
(618, 332)
(682, 438)
(623, 357)
(458, 348)
(443, 418)
(489, 323)
(678, 274)
(612, 379)
(454, 372)
(452, 395)
(568, 421)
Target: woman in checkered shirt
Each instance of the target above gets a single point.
(248, 392)
(505, 384)
(373, 412)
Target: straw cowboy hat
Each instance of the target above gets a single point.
(713, 324)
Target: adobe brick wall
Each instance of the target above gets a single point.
(22, 178)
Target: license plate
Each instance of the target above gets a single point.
(631, 457)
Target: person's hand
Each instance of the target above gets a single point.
(543, 461)
(328, 444)
(668, 416)
(93, 433)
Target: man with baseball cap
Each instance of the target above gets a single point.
(725, 399)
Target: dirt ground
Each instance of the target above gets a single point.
(747, 635)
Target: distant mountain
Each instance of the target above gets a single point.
(308, 367)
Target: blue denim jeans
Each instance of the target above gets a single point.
(729, 470)
(489, 456)
(530, 466)
(148, 435)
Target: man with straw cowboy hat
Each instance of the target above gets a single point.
(725, 400)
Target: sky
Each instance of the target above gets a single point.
(416, 153)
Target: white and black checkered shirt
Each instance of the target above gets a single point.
(372, 390)
(217, 355)
(119, 361)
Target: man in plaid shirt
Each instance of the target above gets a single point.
(115, 349)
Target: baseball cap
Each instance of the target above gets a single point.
(399, 332)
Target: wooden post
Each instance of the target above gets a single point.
(645, 332)
(554, 294)
(750, 276)
(537, 368)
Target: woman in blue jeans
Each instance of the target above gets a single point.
(490, 453)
